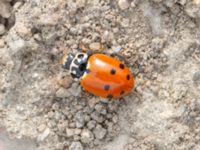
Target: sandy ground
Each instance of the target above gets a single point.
(42, 107)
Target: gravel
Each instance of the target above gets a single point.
(99, 132)
(76, 146)
(2, 29)
(123, 4)
(62, 93)
(86, 136)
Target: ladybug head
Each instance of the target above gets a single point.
(77, 64)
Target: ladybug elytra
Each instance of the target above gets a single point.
(100, 74)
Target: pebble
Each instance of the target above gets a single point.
(49, 19)
(5, 10)
(22, 29)
(95, 46)
(62, 93)
(41, 127)
(97, 117)
(2, 43)
(91, 124)
(44, 135)
(77, 131)
(62, 126)
(76, 146)
(192, 10)
(69, 132)
(123, 4)
(101, 109)
(80, 121)
(86, 136)
(98, 108)
(116, 49)
(80, 3)
(75, 89)
(37, 37)
(2, 29)
(99, 132)
(182, 2)
(196, 78)
(65, 82)
(17, 45)
(76, 138)
(115, 119)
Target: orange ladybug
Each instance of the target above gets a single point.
(100, 74)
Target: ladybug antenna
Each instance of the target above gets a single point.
(67, 60)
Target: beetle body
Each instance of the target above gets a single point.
(101, 74)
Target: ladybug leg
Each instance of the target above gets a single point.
(135, 69)
(120, 57)
(83, 48)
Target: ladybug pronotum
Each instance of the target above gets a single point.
(100, 74)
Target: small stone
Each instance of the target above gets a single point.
(21, 29)
(123, 4)
(69, 132)
(41, 127)
(17, 45)
(182, 2)
(55, 106)
(44, 135)
(98, 107)
(65, 82)
(95, 46)
(2, 43)
(86, 136)
(196, 78)
(80, 3)
(87, 118)
(91, 124)
(17, 5)
(2, 29)
(5, 10)
(99, 132)
(116, 49)
(157, 1)
(49, 19)
(125, 22)
(97, 117)
(76, 138)
(57, 115)
(62, 126)
(72, 124)
(62, 93)
(192, 10)
(77, 131)
(37, 37)
(115, 119)
(76, 146)
(80, 121)
(75, 89)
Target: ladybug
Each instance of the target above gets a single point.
(100, 74)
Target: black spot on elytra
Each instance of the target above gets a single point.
(121, 66)
(128, 77)
(110, 96)
(122, 92)
(106, 87)
(112, 71)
